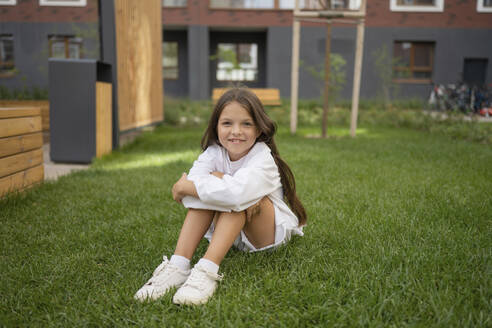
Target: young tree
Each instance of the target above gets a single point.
(337, 79)
(383, 64)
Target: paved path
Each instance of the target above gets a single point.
(53, 171)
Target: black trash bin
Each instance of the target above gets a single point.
(79, 105)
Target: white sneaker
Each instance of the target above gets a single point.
(165, 277)
(199, 287)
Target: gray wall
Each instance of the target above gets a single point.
(452, 46)
(198, 62)
(31, 49)
(312, 54)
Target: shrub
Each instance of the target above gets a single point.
(183, 112)
(24, 93)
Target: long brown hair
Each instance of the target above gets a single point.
(249, 101)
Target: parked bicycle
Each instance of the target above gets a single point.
(461, 97)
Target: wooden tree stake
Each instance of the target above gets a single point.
(295, 71)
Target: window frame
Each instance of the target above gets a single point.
(411, 68)
(481, 8)
(13, 70)
(177, 61)
(66, 41)
(172, 7)
(79, 3)
(439, 7)
(274, 7)
(8, 2)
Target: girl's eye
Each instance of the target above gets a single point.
(248, 124)
(226, 123)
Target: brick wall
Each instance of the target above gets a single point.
(31, 11)
(457, 14)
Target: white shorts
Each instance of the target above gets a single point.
(282, 235)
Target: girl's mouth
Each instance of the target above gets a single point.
(235, 140)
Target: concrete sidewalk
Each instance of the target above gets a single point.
(53, 171)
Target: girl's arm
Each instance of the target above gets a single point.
(245, 188)
(184, 187)
(205, 163)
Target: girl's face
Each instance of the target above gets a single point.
(236, 130)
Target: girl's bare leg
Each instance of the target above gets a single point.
(260, 230)
(194, 228)
(226, 230)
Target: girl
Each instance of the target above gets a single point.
(235, 195)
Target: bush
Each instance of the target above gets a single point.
(402, 113)
(24, 93)
(456, 126)
(184, 112)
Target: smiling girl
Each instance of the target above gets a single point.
(239, 193)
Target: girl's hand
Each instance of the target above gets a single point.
(217, 174)
(179, 188)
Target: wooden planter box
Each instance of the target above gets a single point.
(21, 149)
(44, 105)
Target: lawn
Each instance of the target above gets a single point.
(399, 234)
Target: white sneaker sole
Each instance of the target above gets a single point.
(189, 301)
(152, 296)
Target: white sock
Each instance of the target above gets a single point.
(208, 265)
(181, 262)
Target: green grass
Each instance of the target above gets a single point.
(399, 234)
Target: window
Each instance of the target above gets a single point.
(413, 61)
(417, 5)
(316, 4)
(69, 3)
(174, 3)
(8, 2)
(243, 4)
(170, 69)
(6, 55)
(237, 62)
(65, 47)
(484, 6)
(283, 4)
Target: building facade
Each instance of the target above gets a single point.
(211, 43)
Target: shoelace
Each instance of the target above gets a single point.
(198, 277)
(163, 268)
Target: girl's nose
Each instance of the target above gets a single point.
(236, 129)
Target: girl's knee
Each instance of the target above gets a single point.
(264, 206)
(200, 213)
(260, 228)
(199, 210)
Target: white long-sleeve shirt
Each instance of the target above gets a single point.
(245, 182)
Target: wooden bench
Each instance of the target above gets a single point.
(268, 97)
(21, 149)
